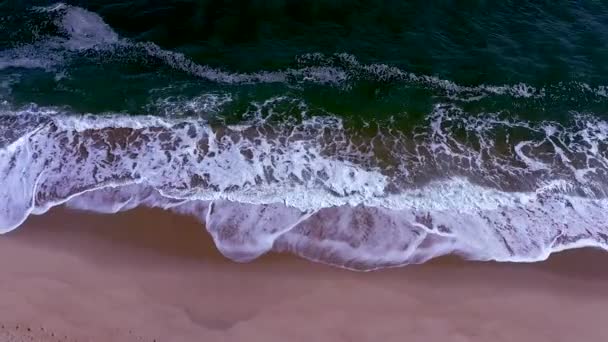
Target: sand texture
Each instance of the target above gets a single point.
(152, 276)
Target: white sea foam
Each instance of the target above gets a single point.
(37, 56)
(519, 227)
(311, 188)
(200, 106)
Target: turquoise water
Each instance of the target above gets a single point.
(363, 134)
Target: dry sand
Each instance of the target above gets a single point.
(153, 276)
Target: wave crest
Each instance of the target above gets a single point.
(82, 31)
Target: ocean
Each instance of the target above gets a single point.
(361, 134)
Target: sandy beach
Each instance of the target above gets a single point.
(148, 275)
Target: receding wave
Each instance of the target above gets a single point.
(319, 189)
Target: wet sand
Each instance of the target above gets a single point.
(147, 275)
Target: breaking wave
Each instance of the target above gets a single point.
(81, 31)
(322, 190)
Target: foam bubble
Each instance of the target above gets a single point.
(198, 106)
(31, 57)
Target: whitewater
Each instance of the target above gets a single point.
(472, 185)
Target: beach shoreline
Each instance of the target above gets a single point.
(149, 275)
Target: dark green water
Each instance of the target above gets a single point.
(483, 121)
(551, 46)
